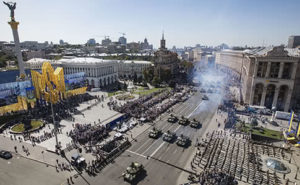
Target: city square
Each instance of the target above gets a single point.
(139, 113)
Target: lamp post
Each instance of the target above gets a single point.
(53, 118)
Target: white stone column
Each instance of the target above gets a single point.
(263, 96)
(18, 53)
(252, 94)
(255, 68)
(280, 70)
(268, 70)
(274, 104)
(288, 100)
(294, 70)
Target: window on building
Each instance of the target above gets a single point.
(261, 69)
(286, 73)
(274, 71)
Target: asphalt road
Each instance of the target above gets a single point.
(21, 171)
(164, 158)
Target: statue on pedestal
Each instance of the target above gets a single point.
(12, 7)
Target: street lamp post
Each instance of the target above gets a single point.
(53, 119)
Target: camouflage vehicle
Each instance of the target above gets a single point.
(172, 119)
(154, 133)
(183, 141)
(184, 121)
(133, 171)
(169, 136)
(205, 97)
(202, 90)
(195, 123)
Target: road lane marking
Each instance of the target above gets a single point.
(150, 146)
(194, 110)
(136, 153)
(157, 149)
(163, 142)
(175, 151)
(142, 145)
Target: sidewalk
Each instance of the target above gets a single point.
(37, 153)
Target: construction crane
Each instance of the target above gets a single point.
(122, 34)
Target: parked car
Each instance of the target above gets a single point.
(132, 124)
(123, 129)
(78, 161)
(5, 154)
(118, 136)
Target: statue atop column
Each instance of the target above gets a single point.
(12, 7)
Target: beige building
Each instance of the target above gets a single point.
(98, 72)
(165, 59)
(269, 77)
(128, 68)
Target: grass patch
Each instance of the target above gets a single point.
(115, 93)
(125, 97)
(262, 131)
(20, 127)
(147, 91)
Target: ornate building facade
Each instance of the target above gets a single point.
(165, 59)
(98, 72)
(270, 76)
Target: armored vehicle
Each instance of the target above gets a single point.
(172, 119)
(205, 97)
(169, 136)
(154, 133)
(195, 123)
(184, 121)
(133, 171)
(183, 141)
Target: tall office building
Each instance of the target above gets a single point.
(123, 40)
(294, 41)
(91, 42)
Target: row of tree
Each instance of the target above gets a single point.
(4, 57)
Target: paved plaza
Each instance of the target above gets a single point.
(164, 162)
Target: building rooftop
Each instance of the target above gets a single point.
(38, 60)
(292, 52)
(135, 61)
(83, 60)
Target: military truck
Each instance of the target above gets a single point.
(172, 119)
(169, 136)
(133, 171)
(195, 123)
(183, 141)
(184, 121)
(154, 133)
(205, 97)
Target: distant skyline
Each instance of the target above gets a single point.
(184, 22)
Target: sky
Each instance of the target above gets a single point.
(184, 22)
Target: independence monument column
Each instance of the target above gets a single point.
(14, 27)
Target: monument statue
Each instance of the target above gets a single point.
(14, 26)
(12, 7)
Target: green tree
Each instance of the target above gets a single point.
(156, 81)
(134, 77)
(165, 75)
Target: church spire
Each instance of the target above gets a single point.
(163, 41)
